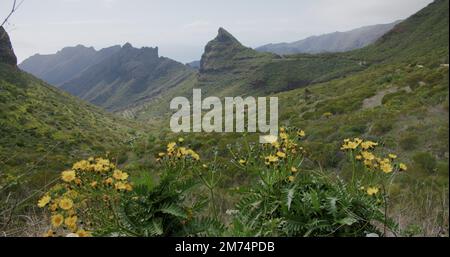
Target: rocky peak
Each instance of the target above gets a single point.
(6, 51)
(224, 36)
(223, 47)
(127, 45)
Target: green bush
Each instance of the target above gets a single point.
(425, 162)
(409, 142)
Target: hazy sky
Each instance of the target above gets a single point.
(181, 28)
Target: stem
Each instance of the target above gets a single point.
(353, 168)
(213, 203)
(385, 199)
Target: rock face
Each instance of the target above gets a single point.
(220, 51)
(7, 55)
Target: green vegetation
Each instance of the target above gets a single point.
(394, 92)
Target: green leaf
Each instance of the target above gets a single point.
(174, 210)
(347, 221)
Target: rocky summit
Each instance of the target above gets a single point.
(7, 55)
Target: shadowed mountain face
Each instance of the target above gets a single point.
(7, 55)
(333, 42)
(66, 64)
(114, 78)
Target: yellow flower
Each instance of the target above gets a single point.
(193, 154)
(181, 140)
(271, 159)
(83, 233)
(291, 178)
(66, 204)
(171, 146)
(109, 181)
(53, 207)
(161, 154)
(44, 201)
(351, 145)
(120, 186)
(81, 165)
(128, 187)
(283, 136)
(358, 157)
(71, 221)
(49, 233)
(372, 190)
(368, 163)
(368, 155)
(281, 154)
(120, 175)
(403, 167)
(392, 156)
(293, 170)
(368, 145)
(94, 184)
(242, 162)
(205, 166)
(57, 220)
(386, 166)
(68, 175)
(301, 133)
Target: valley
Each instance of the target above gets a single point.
(81, 103)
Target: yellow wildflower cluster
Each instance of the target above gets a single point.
(68, 198)
(364, 150)
(179, 152)
(63, 212)
(286, 145)
(97, 173)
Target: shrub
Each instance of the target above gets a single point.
(288, 198)
(425, 162)
(409, 142)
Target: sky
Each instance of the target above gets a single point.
(181, 28)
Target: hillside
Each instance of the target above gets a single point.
(399, 97)
(43, 129)
(66, 64)
(332, 42)
(229, 68)
(422, 38)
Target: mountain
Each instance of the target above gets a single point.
(7, 55)
(43, 129)
(126, 78)
(66, 64)
(228, 68)
(399, 97)
(332, 42)
(422, 38)
(194, 64)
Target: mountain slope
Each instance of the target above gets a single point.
(43, 129)
(414, 40)
(228, 68)
(127, 77)
(66, 64)
(332, 42)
